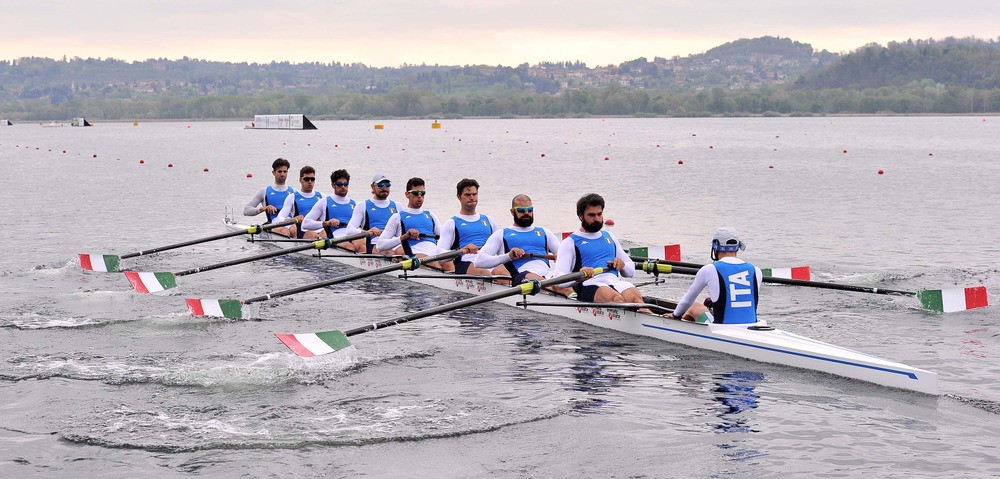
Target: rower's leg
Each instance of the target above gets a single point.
(359, 245)
(607, 294)
(632, 295)
(314, 234)
(696, 309)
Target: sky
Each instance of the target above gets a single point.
(465, 32)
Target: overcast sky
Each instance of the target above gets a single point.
(461, 32)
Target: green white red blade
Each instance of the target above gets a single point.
(670, 252)
(151, 282)
(954, 299)
(107, 263)
(799, 272)
(220, 308)
(314, 344)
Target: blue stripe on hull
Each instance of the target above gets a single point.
(793, 353)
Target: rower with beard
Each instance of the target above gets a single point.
(468, 229)
(591, 248)
(329, 217)
(376, 213)
(300, 202)
(412, 231)
(524, 250)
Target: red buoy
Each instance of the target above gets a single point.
(205, 170)
(770, 167)
(845, 151)
(680, 162)
(249, 175)
(543, 155)
(142, 162)
(710, 147)
(64, 151)
(606, 158)
(881, 172)
(95, 155)
(930, 154)
(170, 165)
(609, 222)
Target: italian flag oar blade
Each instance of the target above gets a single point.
(799, 272)
(314, 344)
(954, 299)
(220, 308)
(107, 263)
(151, 282)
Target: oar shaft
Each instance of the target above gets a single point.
(405, 264)
(316, 244)
(522, 289)
(208, 239)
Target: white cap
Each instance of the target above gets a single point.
(379, 177)
(727, 236)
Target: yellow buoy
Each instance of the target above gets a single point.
(135, 123)
(379, 126)
(435, 124)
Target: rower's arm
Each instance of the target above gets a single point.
(704, 278)
(565, 259)
(492, 254)
(254, 207)
(357, 218)
(551, 241)
(390, 235)
(628, 270)
(446, 234)
(313, 221)
(286, 209)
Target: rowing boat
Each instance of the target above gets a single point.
(756, 341)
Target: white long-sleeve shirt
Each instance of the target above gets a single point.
(566, 259)
(493, 253)
(357, 223)
(253, 207)
(317, 215)
(287, 208)
(708, 276)
(389, 239)
(448, 233)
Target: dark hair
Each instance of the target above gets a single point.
(279, 163)
(589, 199)
(415, 181)
(465, 183)
(340, 174)
(306, 169)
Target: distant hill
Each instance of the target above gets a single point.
(967, 62)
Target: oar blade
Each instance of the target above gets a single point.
(144, 282)
(219, 308)
(801, 273)
(106, 263)
(954, 299)
(314, 344)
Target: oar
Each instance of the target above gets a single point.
(798, 272)
(233, 308)
(110, 263)
(316, 344)
(144, 282)
(941, 300)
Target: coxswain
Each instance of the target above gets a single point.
(740, 280)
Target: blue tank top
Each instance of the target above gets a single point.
(341, 212)
(475, 232)
(594, 253)
(737, 303)
(422, 222)
(276, 199)
(533, 242)
(376, 217)
(301, 206)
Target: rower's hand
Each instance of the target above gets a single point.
(617, 264)
(411, 233)
(516, 253)
(470, 249)
(334, 223)
(270, 209)
(299, 218)
(587, 271)
(375, 231)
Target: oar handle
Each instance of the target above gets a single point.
(524, 289)
(250, 230)
(640, 259)
(406, 264)
(548, 256)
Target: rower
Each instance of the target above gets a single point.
(469, 229)
(413, 231)
(740, 280)
(591, 248)
(329, 218)
(524, 250)
(376, 212)
(270, 198)
(300, 202)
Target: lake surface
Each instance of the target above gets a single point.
(96, 380)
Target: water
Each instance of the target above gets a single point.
(97, 380)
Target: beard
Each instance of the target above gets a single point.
(591, 227)
(524, 221)
(381, 195)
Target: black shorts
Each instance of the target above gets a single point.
(520, 277)
(586, 293)
(462, 267)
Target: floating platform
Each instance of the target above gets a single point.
(80, 122)
(281, 122)
(6, 123)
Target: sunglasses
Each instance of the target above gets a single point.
(417, 192)
(308, 178)
(341, 183)
(383, 184)
(524, 209)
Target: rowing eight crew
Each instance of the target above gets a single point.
(522, 252)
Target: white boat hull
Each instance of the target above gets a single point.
(769, 346)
